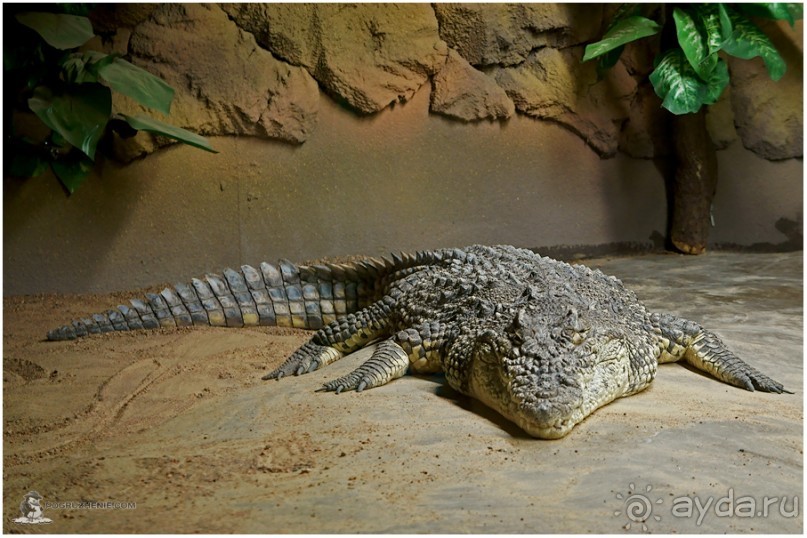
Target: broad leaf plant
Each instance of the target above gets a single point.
(692, 73)
(70, 91)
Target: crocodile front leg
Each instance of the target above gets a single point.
(389, 361)
(338, 338)
(703, 349)
(418, 349)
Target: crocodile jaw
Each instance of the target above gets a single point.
(606, 382)
(541, 420)
(552, 414)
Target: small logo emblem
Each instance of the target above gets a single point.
(31, 509)
(637, 507)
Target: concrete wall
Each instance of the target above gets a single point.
(455, 124)
(398, 180)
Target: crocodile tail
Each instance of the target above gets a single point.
(285, 295)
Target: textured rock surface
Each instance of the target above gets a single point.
(111, 17)
(766, 125)
(768, 114)
(224, 82)
(554, 85)
(505, 34)
(256, 69)
(720, 121)
(370, 55)
(462, 92)
(645, 134)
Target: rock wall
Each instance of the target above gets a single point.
(256, 69)
(366, 129)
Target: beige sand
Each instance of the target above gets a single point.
(180, 424)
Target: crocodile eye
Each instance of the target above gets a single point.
(489, 346)
(574, 336)
(485, 353)
(569, 333)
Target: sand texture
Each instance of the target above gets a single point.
(178, 427)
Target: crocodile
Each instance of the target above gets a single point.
(542, 342)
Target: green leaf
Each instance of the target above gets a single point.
(25, 160)
(75, 69)
(58, 30)
(139, 84)
(777, 11)
(608, 60)
(143, 123)
(622, 12)
(716, 83)
(119, 75)
(707, 16)
(17, 56)
(83, 67)
(725, 22)
(72, 170)
(677, 83)
(747, 41)
(694, 43)
(624, 31)
(76, 8)
(58, 140)
(79, 115)
(27, 166)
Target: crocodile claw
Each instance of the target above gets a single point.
(389, 361)
(753, 380)
(306, 359)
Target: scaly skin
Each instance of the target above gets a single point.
(542, 342)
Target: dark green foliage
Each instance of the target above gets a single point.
(691, 73)
(70, 91)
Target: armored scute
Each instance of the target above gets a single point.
(542, 342)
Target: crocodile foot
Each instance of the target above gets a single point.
(389, 361)
(307, 358)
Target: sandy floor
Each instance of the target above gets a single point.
(179, 429)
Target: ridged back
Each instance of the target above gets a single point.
(283, 294)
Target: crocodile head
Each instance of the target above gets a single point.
(548, 370)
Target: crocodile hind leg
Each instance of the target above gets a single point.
(703, 349)
(331, 343)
